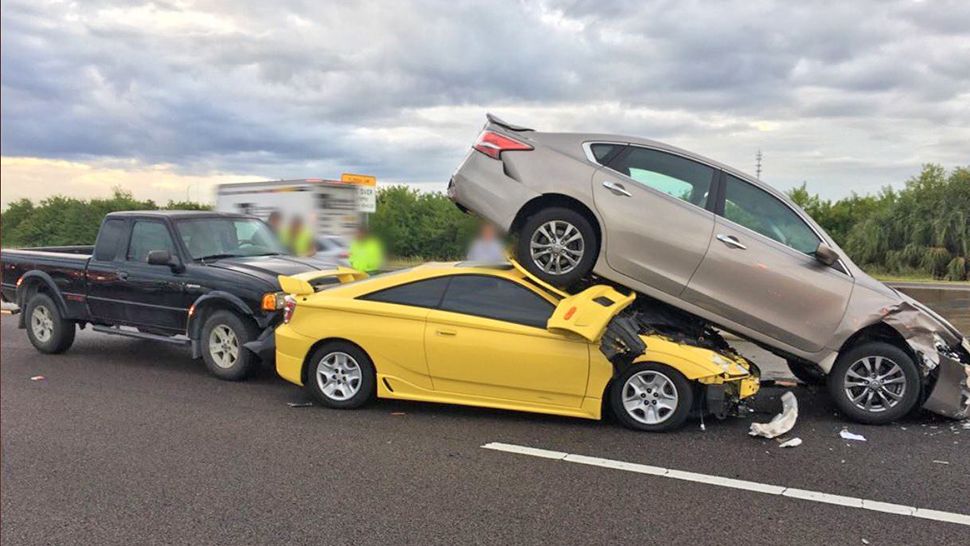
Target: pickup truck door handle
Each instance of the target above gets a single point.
(731, 241)
(446, 332)
(123, 275)
(617, 189)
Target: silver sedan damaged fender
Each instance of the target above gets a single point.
(943, 355)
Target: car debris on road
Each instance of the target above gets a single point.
(781, 423)
(846, 435)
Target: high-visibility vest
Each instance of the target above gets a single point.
(366, 255)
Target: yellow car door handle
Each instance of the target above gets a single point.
(446, 332)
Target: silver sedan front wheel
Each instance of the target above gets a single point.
(650, 397)
(557, 247)
(874, 384)
(338, 376)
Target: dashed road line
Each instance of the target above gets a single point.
(720, 481)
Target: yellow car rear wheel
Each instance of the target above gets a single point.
(340, 375)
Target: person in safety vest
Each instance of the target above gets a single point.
(300, 238)
(366, 252)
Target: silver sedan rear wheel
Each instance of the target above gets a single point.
(557, 247)
(650, 397)
(338, 376)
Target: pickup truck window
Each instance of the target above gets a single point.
(148, 235)
(109, 239)
(227, 237)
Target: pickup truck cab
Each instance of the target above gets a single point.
(203, 279)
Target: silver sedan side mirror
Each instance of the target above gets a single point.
(825, 254)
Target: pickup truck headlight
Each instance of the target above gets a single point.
(272, 301)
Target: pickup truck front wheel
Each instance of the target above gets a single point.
(47, 330)
(223, 336)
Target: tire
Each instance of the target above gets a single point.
(664, 384)
(893, 397)
(47, 330)
(224, 334)
(809, 374)
(340, 375)
(545, 232)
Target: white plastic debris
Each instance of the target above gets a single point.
(37, 378)
(781, 423)
(299, 404)
(794, 442)
(846, 435)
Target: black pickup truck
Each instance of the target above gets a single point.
(204, 279)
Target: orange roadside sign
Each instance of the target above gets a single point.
(358, 179)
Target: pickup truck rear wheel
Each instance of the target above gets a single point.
(558, 245)
(47, 330)
(223, 336)
(875, 383)
(652, 397)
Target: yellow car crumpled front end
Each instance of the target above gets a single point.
(726, 377)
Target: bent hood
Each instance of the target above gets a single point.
(269, 268)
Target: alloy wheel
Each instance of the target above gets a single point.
(875, 383)
(223, 346)
(557, 247)
(650, 397)
(42, 323)
(338, 376)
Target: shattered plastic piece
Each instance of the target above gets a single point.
(846, 435)
(398, 413)
(794, 442)
(940, 462)
(781, 423)
(38, 378)
(299, 404)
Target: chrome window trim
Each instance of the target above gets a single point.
(686, 204)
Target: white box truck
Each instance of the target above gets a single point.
(334, 203)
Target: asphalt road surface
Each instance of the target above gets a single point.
(128, 441)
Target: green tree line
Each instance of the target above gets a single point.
(922, 229)
(61, 221)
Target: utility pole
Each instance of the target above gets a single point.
(757, 165)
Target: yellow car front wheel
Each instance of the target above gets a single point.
(340, 375)
(652, 397)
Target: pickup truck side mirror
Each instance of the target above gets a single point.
(825, 254)
(164, 257)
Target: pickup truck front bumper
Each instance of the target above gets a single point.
(264, 346)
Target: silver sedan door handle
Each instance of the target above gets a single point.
(617, 189)
(731, 241)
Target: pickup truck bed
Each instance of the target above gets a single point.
(204, 279)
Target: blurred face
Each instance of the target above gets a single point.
(487, 232)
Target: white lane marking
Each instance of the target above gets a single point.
(720, 481)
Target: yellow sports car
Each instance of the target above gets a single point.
(495, 336)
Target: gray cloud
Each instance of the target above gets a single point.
(846, 95)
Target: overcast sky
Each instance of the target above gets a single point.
(169, 98)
